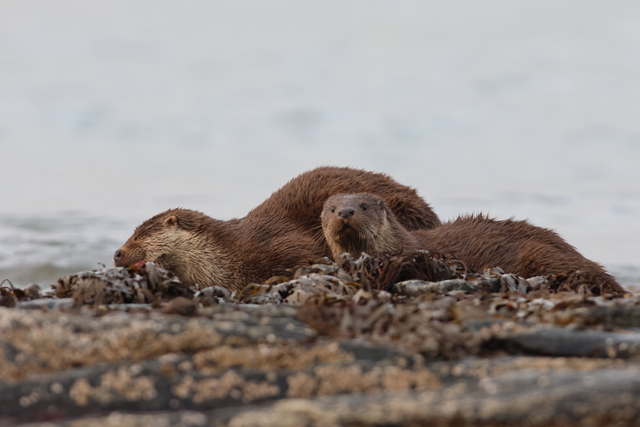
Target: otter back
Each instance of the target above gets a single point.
(300, 201)
(516, 246)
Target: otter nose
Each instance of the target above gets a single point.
(345, 213)
(117, 255)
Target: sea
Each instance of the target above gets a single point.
(113, 111)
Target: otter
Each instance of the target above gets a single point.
(362, 222)
(282, 232)
(356, 223)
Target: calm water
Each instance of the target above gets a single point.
(111, 111)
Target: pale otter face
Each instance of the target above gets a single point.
(352, 222)
(181, 241)
(152, 241)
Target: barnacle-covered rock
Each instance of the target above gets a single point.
(422, 325)
(144, 283)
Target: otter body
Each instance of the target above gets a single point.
(280, 233)
(480, 242)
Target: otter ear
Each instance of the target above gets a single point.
(171, 221)
(384, 207)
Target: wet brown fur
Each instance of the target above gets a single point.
(479, 241)
(367, 225)
(282, 232)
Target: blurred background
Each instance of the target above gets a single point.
(112, 111)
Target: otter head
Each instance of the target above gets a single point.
(357, 223)
(178, 240)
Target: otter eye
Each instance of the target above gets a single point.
(363, 206)
(333, 208)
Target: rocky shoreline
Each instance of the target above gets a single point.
(362, 342)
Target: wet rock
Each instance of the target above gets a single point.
(33, 291)
(48, 304)
(322, 344)
(37, 342)
(414, 288)
(531, 392)
(125, 307)
(479, 368)
(180, 305)
(527, 398)
(226, 376)
(568, 343)
(171, 418)
(621, 316)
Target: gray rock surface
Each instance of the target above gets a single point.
(47, 304)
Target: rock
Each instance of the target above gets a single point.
(527, 398)
(47, 304)
(322, 344)
(171, 418)
(509, 391)
(414, 288)
(621, 316)
(144, 283)
(37, 342)
(33, 291)
(225, 376)
(180, 305)
(567, 343)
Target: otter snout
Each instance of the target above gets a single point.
(128, 255)
(118, 256)
(346, 213)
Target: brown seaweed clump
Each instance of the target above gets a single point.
(406, 275)
(329, 281)
(143, 283)
(10, 295)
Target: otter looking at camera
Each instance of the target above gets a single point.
(361, 222)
